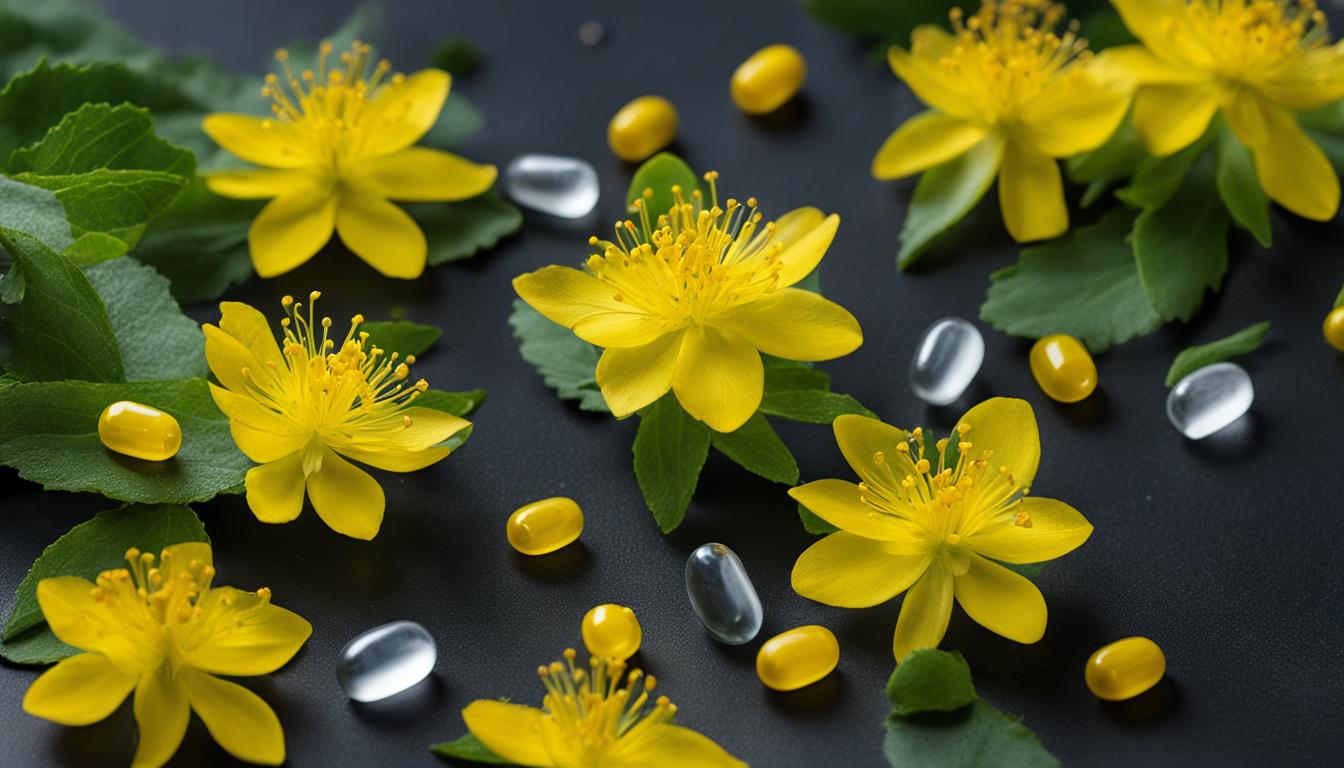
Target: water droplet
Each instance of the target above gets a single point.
(561, 186)
(386, 660)
(948, 357)
(722, 595)
(1209, 399)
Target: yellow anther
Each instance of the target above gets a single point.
(879, 458)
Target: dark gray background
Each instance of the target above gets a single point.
(1226, 553)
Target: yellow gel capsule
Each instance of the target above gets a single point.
(642, 127)
(1334, 328)
(544, 526)
(1063, 368)
(1125, 668)
(797, 658)
(611, 631)
(140, 431)
(767, 79)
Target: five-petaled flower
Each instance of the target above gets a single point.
(935, 525)
(164, 633)
(689, 301)
(338, 148)
(297, 409)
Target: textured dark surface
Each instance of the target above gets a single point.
(1225, 553)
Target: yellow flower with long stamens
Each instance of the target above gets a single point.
(1253, 62)
(1005, 87)
(297, 409)
(164, 633)
(338, 149)
(593, 718)
(935, 526)
(687, 303)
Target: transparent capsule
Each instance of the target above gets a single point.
(642, 127)
(1125, 668)
(948, 357)
(1209, 399)
(611, 631)
(767, 79)
(797, 658)
(1333, 328)
(560, 186)
(140, 431)
(386, 660)
(544, 526)
(1063, 368)
(722, 594)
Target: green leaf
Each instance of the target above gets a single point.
(456, 403)
(1181, 248)
(1157, 178)
(755, 447)
(930, 680)
(35, 211)
(1239, 187)
(200, 243)
(99, 545)
(157, 341)
(1193, 358)
(1116, 158)
(944, 195)
(978, 736)
(670, 450)
(457, 57)
(1339, 300)
(468, 747)
(458, 230)
(36, 646)
(59, 29)
(566, 363)
(49, 433)
(659, 174)
(1085, 284)
(803, 394)
(402, 336)
(814, 524)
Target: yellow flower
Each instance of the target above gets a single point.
(165, 633)
(589, 719)
(1004, 86)
(338, 149)
(689, 302)
(920, 522)
(297, 412)
(1253, 61)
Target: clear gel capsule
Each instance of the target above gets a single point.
(722, 595)
(1062, 368)
(948, 357)
(611, 631)
(767, 79)
(386, 660)
(1333, 328)
(642, 127)
(797, 658)
(1209, 399)
(140, 431)
(1125, 668)
(560, 186)
(544, 526)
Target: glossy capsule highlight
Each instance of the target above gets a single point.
(642, 127)
(722, 594)
(797, 658)
(544, 526)
(1063, 368)
(611, 631)
(768, 79)
(1333, 328)
(1125, 668)
(138, 430)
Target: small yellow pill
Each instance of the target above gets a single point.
(611, 631)
(544, 526)
(642, 127)
(1125, 668)
(1063, 368)
(797, 658)
(767, 79)
(140, 431)
(1334, 328)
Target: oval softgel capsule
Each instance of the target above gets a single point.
(611, 631)
(722, 594)
(797, 658)
(386, 660)
(768, 79)
(1063, 368)
(544, 526)
(139, 430)
(642, 127)
(1124, 669)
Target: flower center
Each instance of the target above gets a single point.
(593, 708)
(1248, 38)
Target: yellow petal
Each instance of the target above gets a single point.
(1073, 118)
(187, 557)
(227, 357)
(928, 139)
(670, 746)
(1294, 172)
(631, 378)
(238, 720)
(930, 82)
(258, 140)
(1316, 80)
(850, 571)
(509, 730)
(77, 619)
(161, 714)
(620, 329)
(263, 643)
(290, 229)
(795, 324)
(275, 489)
(346, 498)
(1031, 194)
(1246, 115)
(1169, 118)
(799, 259)
(860, 439)
(838, 502)
(257, 184)
(246, 324)
(264, 447)
(81, 690)
(381, 234)
(1006, 426)
(924, 613)
(393, 459)
(719, 378)
(428, 427)
(1138, 64)
(1056, 530)
(791, 227)
(565, 295)
(406, 111)
(1001, 601)
(419, 174)
(1148, 19)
